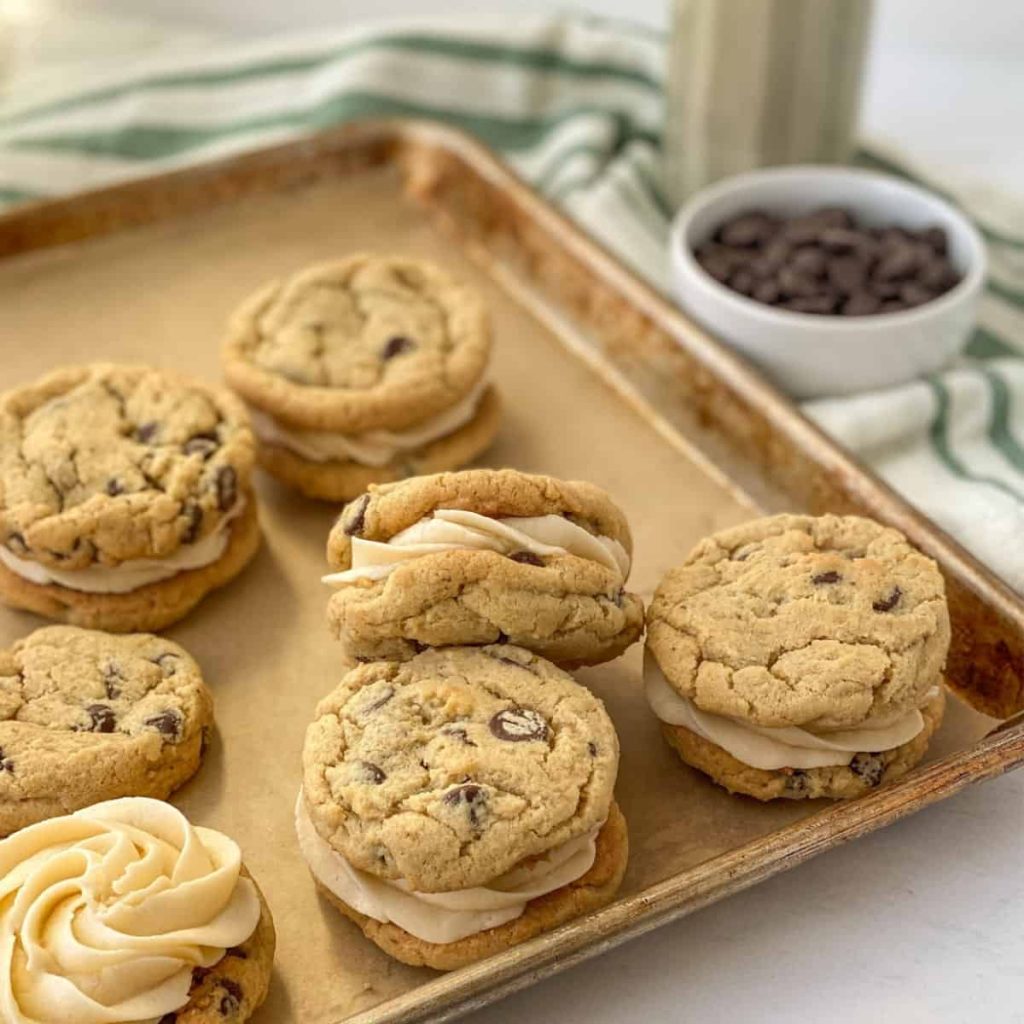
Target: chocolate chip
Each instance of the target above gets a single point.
(227, 487)
(371, 774)
(103, 718)
(168, 663)
(356, 516)
(748, 229)
(869, 767)
(114, 487)
(200, 974)
(886, 604)
(518, 725)
(592, 748)
(526, 558)
(831, 576)
(193, 516)
(231, 1001)
(201, 444)
(237, 951)
(380, 701)
(6, 764)
(796, 781)
(914, 294)
(743, 281)
(16, 542)
(809, 260)
(459, 733)
(113, 677)
(169, 1018)
(472, 798)
(167, 723)
(396, 346)
(824, 263)
(145, 432)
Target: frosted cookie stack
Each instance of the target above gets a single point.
(800, 657)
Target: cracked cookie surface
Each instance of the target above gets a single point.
(568, 609)
(86, 716)
(364, 343)
(449, 769)
(101, 464)
(796, 620)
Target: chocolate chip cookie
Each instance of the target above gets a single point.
(363, 371)
(124, 495)
(86, 716)
(799, 656)
(455, 780)
(483, 556)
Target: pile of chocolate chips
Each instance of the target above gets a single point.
(823, 262)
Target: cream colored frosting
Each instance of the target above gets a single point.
(373, 448)
(104, 913)
(457, 530)
(442, 917)
(132, 574)
(775, 748)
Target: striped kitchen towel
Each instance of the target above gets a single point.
(576, 106)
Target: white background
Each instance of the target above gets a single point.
(923, 922)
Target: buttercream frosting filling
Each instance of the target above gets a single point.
(134, 573)
(458, 530)
(773, 748)
(373, 448)
(442, 917)
(104, 913)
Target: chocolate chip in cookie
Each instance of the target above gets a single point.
(227, 487)
(519, 725)
(869, 767)
(472, 799)
(101, 718)
(231, 1001)
(356, 518)
(887, 603)
(167, 723)
(396, 345)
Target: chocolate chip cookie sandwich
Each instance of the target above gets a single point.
(124, 495)
(461, 802)
(86, 716)
(483, 556)
(124, 913)
(363, 371)
(800, 657)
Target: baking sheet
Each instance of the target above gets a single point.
(160, 294)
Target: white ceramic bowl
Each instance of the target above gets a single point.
(810, 355)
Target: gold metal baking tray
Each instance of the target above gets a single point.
(603, 380)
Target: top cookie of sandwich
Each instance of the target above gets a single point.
(449, 769)
(105, 463)
(387, 509)
(796, 620)
(365, 343)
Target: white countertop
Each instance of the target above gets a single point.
(924, 921)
